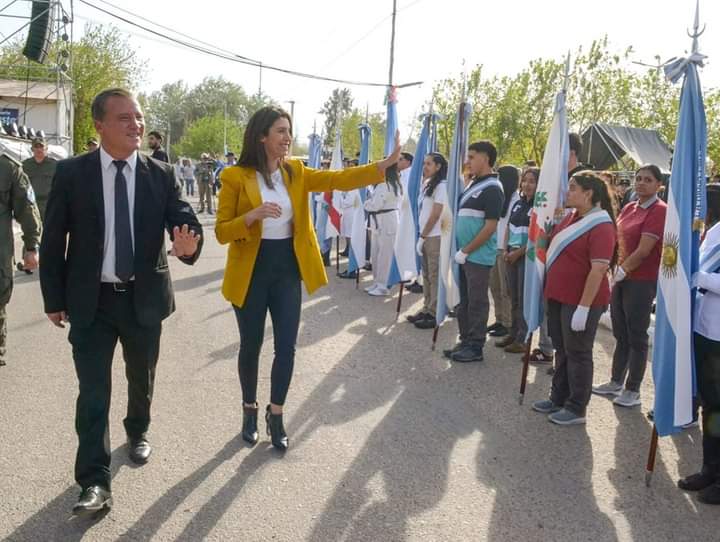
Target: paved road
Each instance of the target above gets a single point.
(388, 441)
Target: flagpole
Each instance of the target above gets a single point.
(525, 369)
(392, 44)
(652, 453)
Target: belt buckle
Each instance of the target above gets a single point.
(119, 287)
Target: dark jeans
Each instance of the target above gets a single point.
(189, 187)
(572, 381)
(630, 310)
(474, 307)
(516, 283)
(93, 348)
(707, 366)
(275, 285)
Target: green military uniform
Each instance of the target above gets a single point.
(16, 201)
(41, 176)
(204, 173)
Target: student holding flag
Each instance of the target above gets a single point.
(640, 228)
(707, 354)
(264, 215)
(517, 238)
(433, 200)
(577, 291)
(480, 209)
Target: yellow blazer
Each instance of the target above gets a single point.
(240, 193)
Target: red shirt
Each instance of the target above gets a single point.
(635, 221)
(566, 277)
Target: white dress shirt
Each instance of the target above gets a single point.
(108, 180)
(282, 227)
(707, 305)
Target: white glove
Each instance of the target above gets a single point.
(419, 246)
(619, 275)
(698, 280)
(579, 318)
(460, 257)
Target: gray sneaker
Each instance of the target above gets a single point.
(628, 399)
(610, 388)
(565, 417)
(546, 406)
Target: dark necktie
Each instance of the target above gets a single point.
(123, 236)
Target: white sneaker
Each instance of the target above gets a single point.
(628, 399)
(609, 388)
(380, 291)
(370, 288)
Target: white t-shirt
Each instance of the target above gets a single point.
(282, 227)
(707, 306)
(439, 195)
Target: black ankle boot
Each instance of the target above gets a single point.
(700, 480)
(276, 430)
(249, 427)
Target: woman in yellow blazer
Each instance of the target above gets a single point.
(263, 214)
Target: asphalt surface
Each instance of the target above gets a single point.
(388, 441)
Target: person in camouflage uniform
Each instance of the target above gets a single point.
(205, 175)
(16, 201)
(40, 169)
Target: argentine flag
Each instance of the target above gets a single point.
(358, 237)
(673, 359)
(549, 197)
(449, 274)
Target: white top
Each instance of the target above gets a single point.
(439, 195)
(188, 172)
(382, 198)
(108, 180)
(503, 222)
(707, 305)
(282, 227)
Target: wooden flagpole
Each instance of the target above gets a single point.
(526, 367)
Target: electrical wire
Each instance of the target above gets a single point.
(238, 58)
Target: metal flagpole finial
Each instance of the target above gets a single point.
(566, 79)
(696, 32)
(464, 81)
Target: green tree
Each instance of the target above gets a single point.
(207, 135)
(338, 104)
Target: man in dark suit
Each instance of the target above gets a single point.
(155, 140)
(105, 270)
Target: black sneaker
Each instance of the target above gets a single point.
(467, 355)
(499, 331)
(414, 288)
(493, 327)
(347, 275)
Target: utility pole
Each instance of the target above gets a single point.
(225, 147)
(392, 43)
(292, 116)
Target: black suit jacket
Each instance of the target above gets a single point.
(74, 232)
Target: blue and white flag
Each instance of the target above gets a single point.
(358, 238)
(673, 356)
(314, 156)
(406, 263)
(549, 199)
(449, 274)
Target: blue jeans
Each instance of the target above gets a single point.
(274, 286)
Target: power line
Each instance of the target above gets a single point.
(235, 57)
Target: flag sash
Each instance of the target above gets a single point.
(561, 241)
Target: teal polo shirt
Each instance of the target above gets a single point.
(482, 200)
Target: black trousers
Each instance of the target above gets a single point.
(707, 365)
(630, 310)
(93, 348)
(275, 286)
(572, 381)
(474, 308)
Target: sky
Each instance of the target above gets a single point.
(350, 39)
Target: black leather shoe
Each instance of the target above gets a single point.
(93, 499)
(493, 327)
(249, 427)
(276, 430)
(711, 494)
(139, 450)
(426, 323)
(347, 275)
(449, 353)
(499, 331)
(467, 355)
(698, 481)
(416, 317)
